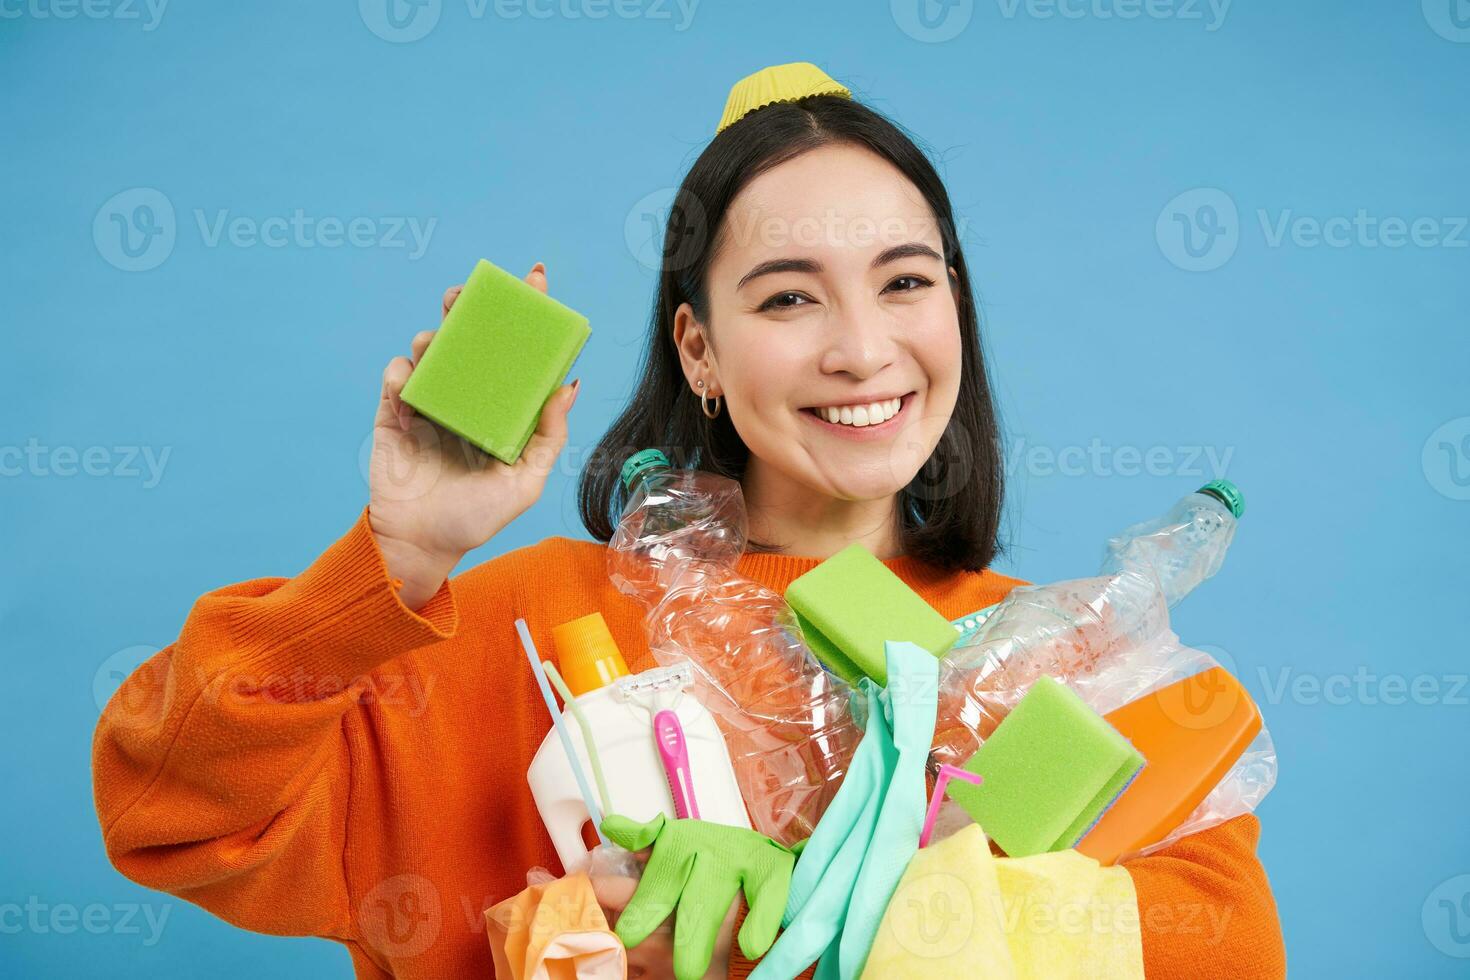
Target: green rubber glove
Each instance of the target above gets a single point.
(698, 868)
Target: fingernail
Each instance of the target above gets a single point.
(539, 265)
(576, 387)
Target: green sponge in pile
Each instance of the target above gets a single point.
(1051, 769)
(502, 350)
(851, 604)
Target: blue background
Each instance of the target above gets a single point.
(1325, 373)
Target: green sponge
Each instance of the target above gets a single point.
(502, 350)
(1051, 769)
(851, 604)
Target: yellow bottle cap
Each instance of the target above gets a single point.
(587, 654)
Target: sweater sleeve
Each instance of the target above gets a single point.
(1205, 908)
(221, 766)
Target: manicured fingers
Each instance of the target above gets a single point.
(537, 276)
(390, 405)
(450, 295)
(421, 341)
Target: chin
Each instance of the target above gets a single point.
(865, 486)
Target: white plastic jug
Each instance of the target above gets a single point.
(636, 783)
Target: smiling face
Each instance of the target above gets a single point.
(833, 333)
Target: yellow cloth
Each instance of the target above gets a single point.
(961, 912)
(554, 931)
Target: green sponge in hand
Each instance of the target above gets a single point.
(502, 350)
(1051, 769)
(851, 604)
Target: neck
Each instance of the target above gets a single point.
(798, 521)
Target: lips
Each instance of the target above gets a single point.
(861, 418)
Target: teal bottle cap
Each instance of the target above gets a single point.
(1228, 494)
(641, 462)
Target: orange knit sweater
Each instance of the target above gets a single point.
(313, 758)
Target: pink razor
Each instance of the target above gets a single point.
(674, 752)
(946, 773)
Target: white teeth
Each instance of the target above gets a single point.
(874, 413)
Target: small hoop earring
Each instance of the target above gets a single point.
(704, 402)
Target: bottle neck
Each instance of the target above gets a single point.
(646, 478)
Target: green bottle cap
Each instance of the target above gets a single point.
(1228, 494)
(641, 462)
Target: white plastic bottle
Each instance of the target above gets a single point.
(620, 716)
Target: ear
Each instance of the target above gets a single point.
(696, 353)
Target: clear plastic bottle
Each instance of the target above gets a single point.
(1097, 634)
(1183, 547)
(786, 720)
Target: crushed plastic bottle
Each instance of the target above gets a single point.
(786, 720)
(1109, 639)
(1080, 630)
(1183, 547)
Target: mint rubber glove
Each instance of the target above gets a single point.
(855, 857)
(698, 868)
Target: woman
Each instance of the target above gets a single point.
(343, 754)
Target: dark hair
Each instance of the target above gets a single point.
(950, 512)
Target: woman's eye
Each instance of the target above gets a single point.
(907, 284)
(784, 301)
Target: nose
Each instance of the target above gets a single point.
(860, 343)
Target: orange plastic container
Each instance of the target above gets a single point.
(1191, 733)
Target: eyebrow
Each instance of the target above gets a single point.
(905, 251)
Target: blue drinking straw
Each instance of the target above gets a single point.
(561, 728)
